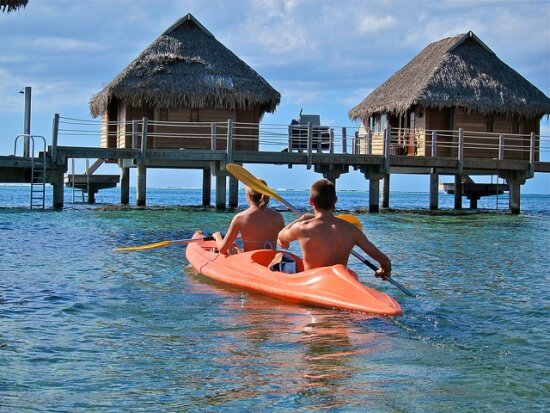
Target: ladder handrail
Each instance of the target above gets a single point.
(31, 138)
(42, 175)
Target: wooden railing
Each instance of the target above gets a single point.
(232, 136)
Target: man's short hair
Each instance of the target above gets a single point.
(323, 194)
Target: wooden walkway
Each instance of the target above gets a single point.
(376, 165)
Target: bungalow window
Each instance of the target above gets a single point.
(489, 123)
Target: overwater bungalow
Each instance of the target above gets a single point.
(455, 83)
(185, 75)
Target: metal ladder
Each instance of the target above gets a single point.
(502, 201)
(38, 170)
(83, 192)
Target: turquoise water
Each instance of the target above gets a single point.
(87, 329)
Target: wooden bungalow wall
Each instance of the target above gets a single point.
(192, 136)
(478, 142)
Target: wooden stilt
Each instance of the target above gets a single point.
(233, 192)
(141, 185)
(125, 186)
(374, 194)
(220, 191)
(206, 186)
(458, 192)
(58, 188)
(434, 191)
(514, 194)
(386, 192)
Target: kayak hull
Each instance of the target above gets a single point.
(328, 287)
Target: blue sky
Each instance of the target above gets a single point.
(323, 56)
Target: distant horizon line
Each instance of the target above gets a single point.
(8, 184)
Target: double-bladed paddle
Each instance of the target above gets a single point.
(254, 183)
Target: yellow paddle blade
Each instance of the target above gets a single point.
(352, 219)
(251, 181)
(161, 244)
(145, 247)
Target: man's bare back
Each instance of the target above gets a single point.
(326, 240)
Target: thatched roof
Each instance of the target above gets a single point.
(187, 67)
(12, 5)
(459, 71)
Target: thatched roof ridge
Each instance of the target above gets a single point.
(12, 5)
(459, 71)
(187, 67)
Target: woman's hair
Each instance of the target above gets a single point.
(323, 194)
(257, 198)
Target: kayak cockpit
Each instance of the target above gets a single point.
(265, 258)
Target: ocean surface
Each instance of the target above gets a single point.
(83, 328)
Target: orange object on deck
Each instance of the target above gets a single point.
(330, 287)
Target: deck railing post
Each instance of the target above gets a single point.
(229, 150)
(532, 149)
(289, 139)
(500, 146)
(331, 137)
(387, 137)
(55, 134)
(144, 126)
(434, 144)
(309, 144)
(460, 149)
(213, 136)
(344, 141)
(369, 142)
(135, 126)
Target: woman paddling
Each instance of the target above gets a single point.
(258, 225)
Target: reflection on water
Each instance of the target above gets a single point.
(317, 350)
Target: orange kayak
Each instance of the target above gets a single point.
(330, 287)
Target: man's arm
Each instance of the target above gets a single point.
(385, 264)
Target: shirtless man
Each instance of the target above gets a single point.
(258, 225)
(326, 240)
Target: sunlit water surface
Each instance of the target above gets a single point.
(85, 328)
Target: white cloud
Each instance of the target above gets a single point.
(354, 98)
(63, 44)
(374, 24)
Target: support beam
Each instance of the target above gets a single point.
(233, 192)
(58, 188)
(332, 171)
(514, 196)
(374, 194)
(373, 174)
(386, 191)
(220, 191)
(141, 185)
(458, 192)
(124, 186)
(515, 179)
(206, 185)
(434, 191)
